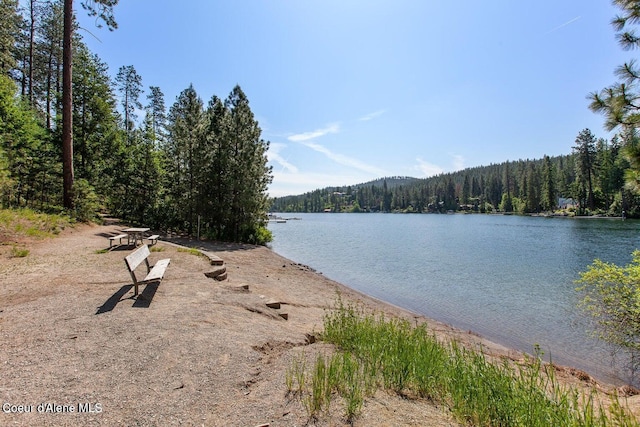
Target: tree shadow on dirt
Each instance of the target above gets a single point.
(209, 245)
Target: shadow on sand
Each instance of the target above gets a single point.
(143, 300)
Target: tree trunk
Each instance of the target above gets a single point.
(67, 111)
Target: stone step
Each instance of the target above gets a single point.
(215, 260)
(221, 277)
(243, 287)
(217, 272)
(285, 316)
(273, 304)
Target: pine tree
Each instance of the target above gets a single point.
(585, 151)
(129, 83)
(50, 34)
(548, 198)
(104, 10)
(95, 120)
(10, 21)
(249, 171)
(184, 156)
(158, 112)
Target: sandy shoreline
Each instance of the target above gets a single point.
(197, 352)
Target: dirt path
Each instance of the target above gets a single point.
(195, 352)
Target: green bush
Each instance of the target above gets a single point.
(260, 236)
(86, 201)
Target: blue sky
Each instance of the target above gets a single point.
(350, 91)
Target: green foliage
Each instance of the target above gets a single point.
(260, 236)
(9, 29)
(375, 352)
(612, 298)
(22, 148)
(217, 168)
(28, 223)
(17, 252)
(86, 201)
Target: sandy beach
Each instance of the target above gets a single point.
(77, 349)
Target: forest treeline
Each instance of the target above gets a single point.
(590, 180)
(191, 165)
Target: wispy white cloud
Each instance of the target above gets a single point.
(345, 160)
(286, 183)
(563, 25)
(428, 169)
(274, 156)
(372, 116)
(306, 136)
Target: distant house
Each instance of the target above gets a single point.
(566, 203)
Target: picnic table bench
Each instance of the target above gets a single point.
(154, 239)
(155, 273)
(114, 238)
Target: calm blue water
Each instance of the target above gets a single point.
(508, 278)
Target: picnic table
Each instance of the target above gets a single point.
(135, 234)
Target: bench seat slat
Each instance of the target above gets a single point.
(157, 272)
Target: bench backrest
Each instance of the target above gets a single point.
(134, 259)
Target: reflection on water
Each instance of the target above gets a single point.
(508, 278)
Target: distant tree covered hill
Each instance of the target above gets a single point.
(522, 186)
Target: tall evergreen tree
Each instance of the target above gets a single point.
(50, 50)
(548, 195)
(249, 170)
(104, 10)
(158, 112)
(184, 157)
(585, 151)
(129, 83)
(95, 119)
(10, 21)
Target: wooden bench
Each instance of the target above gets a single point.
(153, 239)
(113, 239)
(134, 259)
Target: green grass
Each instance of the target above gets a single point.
(17, 223)
(191, 251)
(378, 353)
(156, 248)
(17, 252)
(101, 251)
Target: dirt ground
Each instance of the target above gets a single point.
(78, 349)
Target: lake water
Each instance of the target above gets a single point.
(507, 278)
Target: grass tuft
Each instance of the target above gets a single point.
(375, 352)
(192, 251)
(17, 252)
